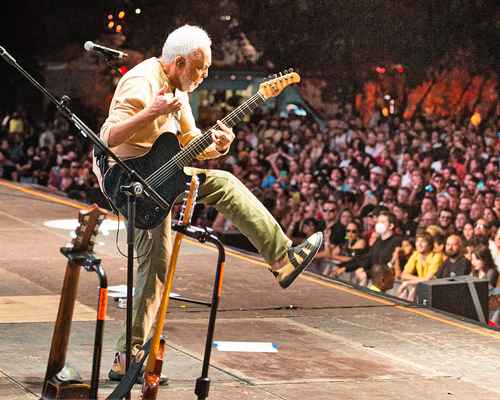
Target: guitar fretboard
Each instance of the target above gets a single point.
(186, 156)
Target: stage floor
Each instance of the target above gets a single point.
(333, 342)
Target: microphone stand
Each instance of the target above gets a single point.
(137, 187)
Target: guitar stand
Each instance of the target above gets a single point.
(206, 235)
(93, 264)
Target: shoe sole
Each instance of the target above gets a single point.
(305, 263)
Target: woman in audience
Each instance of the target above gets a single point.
(483, 265)
(354, 244)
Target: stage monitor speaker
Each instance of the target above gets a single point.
(454, 295)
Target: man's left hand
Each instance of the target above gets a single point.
(222, 137)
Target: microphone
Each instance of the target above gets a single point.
(91, 46)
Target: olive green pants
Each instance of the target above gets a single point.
(229, 196)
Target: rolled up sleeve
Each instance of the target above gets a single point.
(130, 97)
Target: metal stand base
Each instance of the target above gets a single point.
(206, 235)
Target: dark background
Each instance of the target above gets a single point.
(336, 39)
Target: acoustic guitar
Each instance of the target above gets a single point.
(62, 381)
(152, 371)
(163, 165)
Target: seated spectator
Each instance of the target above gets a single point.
(494, 247)
(7, 167)
(380, 253)
(401, 256)
(422, 266)
(339, 228)
(382, 278)
(455, 263)
(352, 246)
(483, 265)
(323, 260)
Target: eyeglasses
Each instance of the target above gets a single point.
(329, 209)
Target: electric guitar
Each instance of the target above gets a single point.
(152, 371)
(62, 381)
(162, 166)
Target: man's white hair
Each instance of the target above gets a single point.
(183, 41)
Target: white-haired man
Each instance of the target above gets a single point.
(150, 99)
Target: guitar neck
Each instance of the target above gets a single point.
(62, 327)
(186, 156)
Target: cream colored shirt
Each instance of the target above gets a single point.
(135, 91)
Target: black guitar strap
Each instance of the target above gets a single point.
(101, 160)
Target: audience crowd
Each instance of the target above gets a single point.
(400, 201)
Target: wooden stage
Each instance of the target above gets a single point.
(333, 342)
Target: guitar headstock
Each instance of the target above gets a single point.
(277, 83)
(190, 201)
(90, 219)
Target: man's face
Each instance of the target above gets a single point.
(384, 220)
(465, 204)
(329, 211)
(194, 69)
(453, 244)
(445, 219)
(481, 228)
(402, 196)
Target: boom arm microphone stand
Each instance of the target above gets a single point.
(137, 187)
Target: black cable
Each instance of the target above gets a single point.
(118, 246)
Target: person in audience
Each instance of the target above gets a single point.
(401, 256)
(468, 232)
(382, 278)
(380, 253)
(494, 247)
(455, 263)
(445, 221)
(483, 266)
(353, 245)
(422, 266)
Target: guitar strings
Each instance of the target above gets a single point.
(165, 172)
(169, 168)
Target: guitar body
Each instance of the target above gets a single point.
(148, 214)
(62, 382)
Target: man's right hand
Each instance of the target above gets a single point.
(164, 103)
